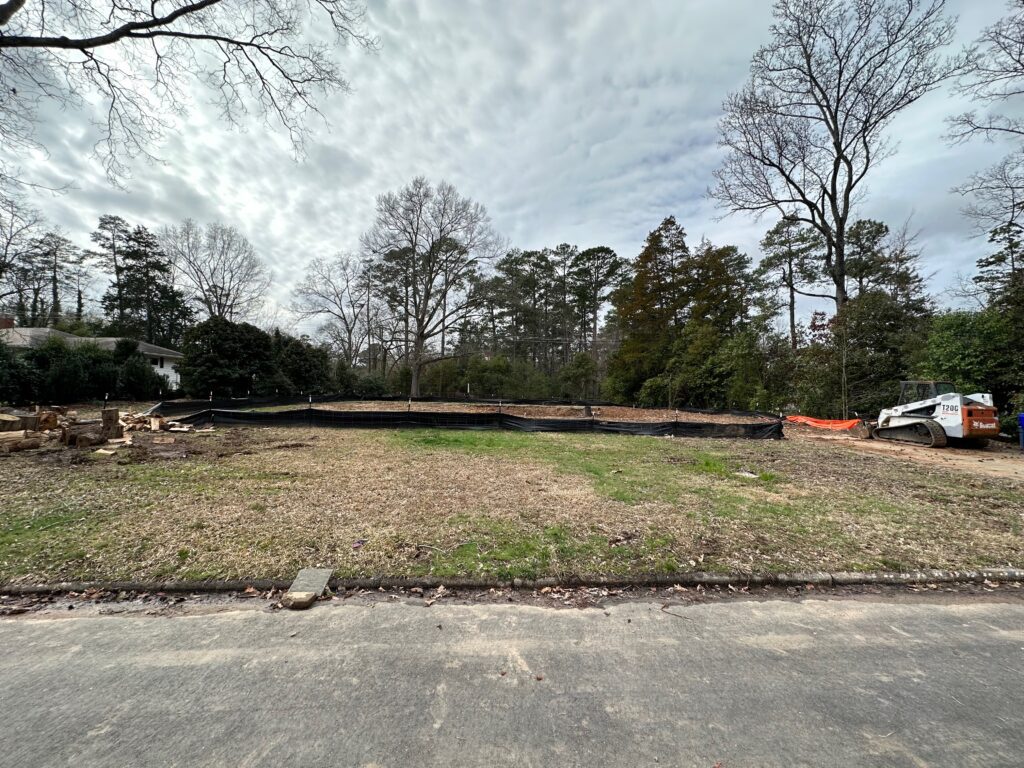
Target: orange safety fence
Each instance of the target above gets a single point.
(835, 424)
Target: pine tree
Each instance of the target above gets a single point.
(595, 273)
(142, 303)
(111, 237)
(790, 263)
(649, 307)
(59, 259)
(1002, 270)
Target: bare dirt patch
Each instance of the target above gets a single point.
(996, 460)
(96, 602)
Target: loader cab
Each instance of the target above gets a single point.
(916, 391)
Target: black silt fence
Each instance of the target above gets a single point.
(178, 407)
(316, 417)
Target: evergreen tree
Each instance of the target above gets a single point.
(649, 307)
(60, 260)
(142, 303)
(595, 273)
(867, 262)
(302, 368)
(111, 238)
(227, 359)
(790, 263)
(1001, 274)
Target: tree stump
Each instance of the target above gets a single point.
(111, 428)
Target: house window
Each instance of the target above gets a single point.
(161, 362)
(154, 361)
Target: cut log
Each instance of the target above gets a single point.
(48, 420)
(30, 421)
(156, 423)
(13, 436)
(87, 439)
(70, 432)
(9, 422)
(110, 418)
(25, 445)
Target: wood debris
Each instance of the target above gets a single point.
(141, 422)
(59, 426)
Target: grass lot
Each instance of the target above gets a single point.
(260, 503)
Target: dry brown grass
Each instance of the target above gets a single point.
(264, 502)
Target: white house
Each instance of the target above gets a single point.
(164, 361)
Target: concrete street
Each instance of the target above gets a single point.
(817, 682)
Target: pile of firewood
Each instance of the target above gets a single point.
(26, 431)
(17, 434)
(141, 422)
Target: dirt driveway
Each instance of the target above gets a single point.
(997, 460)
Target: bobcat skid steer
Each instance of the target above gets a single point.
(933, 413)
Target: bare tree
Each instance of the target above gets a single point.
(219, 268)
(426, 246)
(806, 130)
(19, 226)
(339, 292)
(996, 193)
(138, 58)
(995, 75)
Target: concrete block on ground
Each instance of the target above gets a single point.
(307, 587)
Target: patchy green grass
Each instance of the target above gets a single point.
(262, 503)
(57, 533)
(507, 552)
(628, 470)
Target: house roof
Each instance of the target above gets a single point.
(25, 338)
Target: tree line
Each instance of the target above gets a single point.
(453, 310)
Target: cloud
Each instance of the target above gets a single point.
(571, 121)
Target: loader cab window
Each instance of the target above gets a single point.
(913, 391)
(916, 391)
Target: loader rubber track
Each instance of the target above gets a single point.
(925, 432)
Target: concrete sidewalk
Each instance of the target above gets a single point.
(838, 682)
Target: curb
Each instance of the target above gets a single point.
(689, 579)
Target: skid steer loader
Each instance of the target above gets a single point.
(933, 413)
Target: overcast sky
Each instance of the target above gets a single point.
(574, 122)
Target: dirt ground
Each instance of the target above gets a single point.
(161, 604)
(1001, 460)
(603, 412)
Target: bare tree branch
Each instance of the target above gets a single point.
(809, 125)
(19, 226)
(218, 268)
(995, 76)
(250, 54)
(340, 292)
(427, 245)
